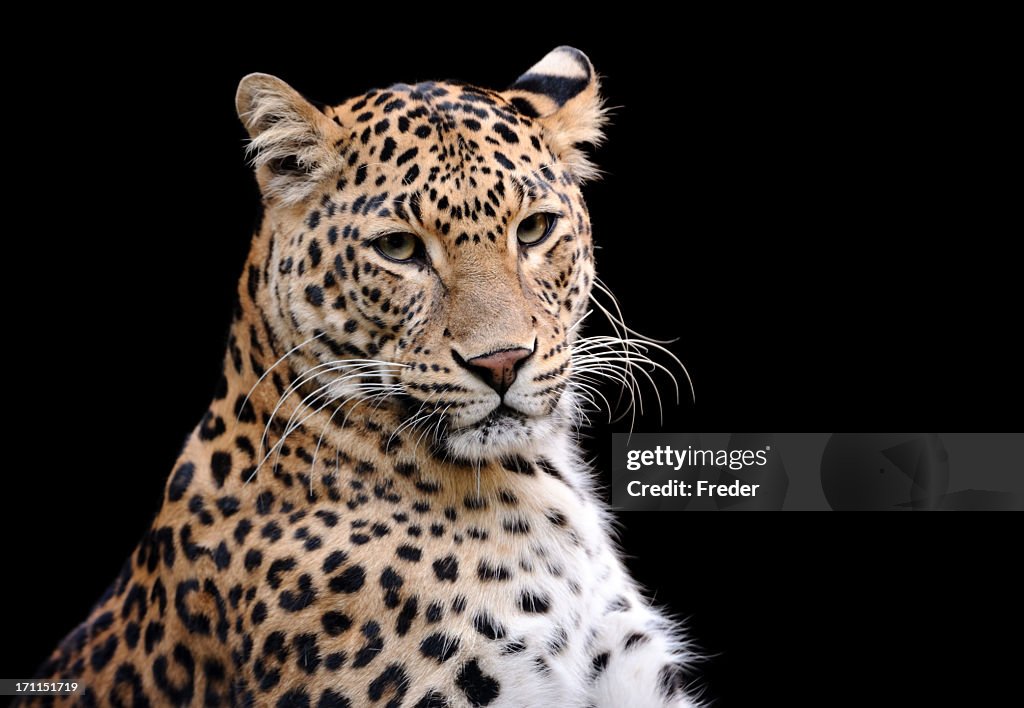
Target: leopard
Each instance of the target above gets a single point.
(386, 503)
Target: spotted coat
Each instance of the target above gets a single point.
(384, 504)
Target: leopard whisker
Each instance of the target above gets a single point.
(616, 372)
(390, 390)
(588, 393)
(605, 372)
(411, 423)
(620, 320)
(630, 345)
(320, 393)
(640, 340)
(412, 420)
(440, 416)
(616, 323)
(578, 322)
(638, 357)
(622, 370)
(321, 369)
(302, 404)
(266, 373)
(295, 427)
(441, 420)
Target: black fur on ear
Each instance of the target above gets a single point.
(562, 92)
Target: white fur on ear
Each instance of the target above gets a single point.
(294, 146)
(562, 91)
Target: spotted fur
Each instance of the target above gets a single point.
(362, 517)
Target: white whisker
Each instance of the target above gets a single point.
(625, 358)
(274, 366)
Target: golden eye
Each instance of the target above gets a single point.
(399, 246)
(534, 228)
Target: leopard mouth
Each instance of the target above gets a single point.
(502, 414)
(503, 430)
(502, 433)
(501, 417)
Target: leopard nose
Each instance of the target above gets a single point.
(497, 369)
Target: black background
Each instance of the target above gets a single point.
(815, 217)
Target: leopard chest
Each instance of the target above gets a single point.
(505, 580)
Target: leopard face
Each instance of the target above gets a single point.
(431, 249)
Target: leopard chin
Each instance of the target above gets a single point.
(506, 432)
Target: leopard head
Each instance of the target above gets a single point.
(427, 246)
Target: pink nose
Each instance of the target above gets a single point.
(498, 369)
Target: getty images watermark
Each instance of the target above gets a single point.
(812, 471)
(668, 457)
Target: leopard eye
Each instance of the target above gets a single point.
(399, 246)
(534, 229)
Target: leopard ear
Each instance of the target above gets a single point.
(562, 92)
(294, 146)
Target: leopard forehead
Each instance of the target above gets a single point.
(444, 134)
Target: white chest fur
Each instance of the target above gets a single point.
(573, 629)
